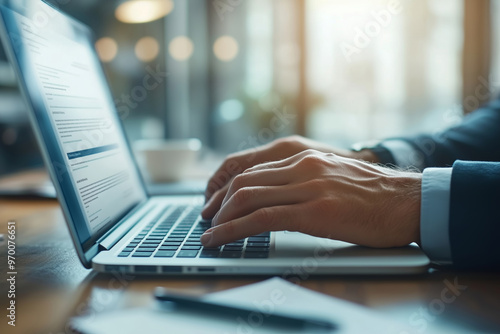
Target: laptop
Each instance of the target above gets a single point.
(114, 224)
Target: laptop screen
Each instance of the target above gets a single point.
(77, 121)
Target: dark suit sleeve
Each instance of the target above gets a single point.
(474, 223)
(476, 138)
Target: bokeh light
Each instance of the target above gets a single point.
(226, 48)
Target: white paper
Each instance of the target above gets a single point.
(273, 295)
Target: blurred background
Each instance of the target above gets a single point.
(239, 73)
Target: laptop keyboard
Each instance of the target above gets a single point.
(178, 235)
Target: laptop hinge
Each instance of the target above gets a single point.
(111, 238)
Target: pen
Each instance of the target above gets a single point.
(268, 318)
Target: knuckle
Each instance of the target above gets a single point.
(311, 152)
(220, 194)
(238, 182)
(288, 142)
(267, 218)
(251, 169)
(311, 159)
(242, 195)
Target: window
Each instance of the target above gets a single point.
(382, 68)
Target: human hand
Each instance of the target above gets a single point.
(323, 195)
(277, 150)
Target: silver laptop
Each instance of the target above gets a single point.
(114, 224)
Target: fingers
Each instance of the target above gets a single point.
(262, 174)
(236, 164)
(231, 167)
(214, 203)
(249, 199)
(263, 220)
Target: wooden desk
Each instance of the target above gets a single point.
(52, 285)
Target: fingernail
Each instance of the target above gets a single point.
(206, 237)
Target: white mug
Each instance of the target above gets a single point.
(166, 160)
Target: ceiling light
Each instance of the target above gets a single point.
(141, 11)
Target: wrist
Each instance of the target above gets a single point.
(407, 208)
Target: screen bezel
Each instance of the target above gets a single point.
(53, 156)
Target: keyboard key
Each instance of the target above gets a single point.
(232, 248)
(142, 254)
(165, 254)
(169, 248)
(187, 253)
(172, 243)
(256, 249)
(175, 239)
(191, 247)
(259, 239)
(124, 254)
(192, 243)
(209, 253)
(147, 246)
(212, 248)
(256, 255)
(230, 255)
(258, 244)
(239, 243)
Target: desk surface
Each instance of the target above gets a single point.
(52, 285)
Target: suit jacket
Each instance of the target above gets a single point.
(474, 223)
(476, 138)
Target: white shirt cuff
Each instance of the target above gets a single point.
(435, 213)
(404, 154)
